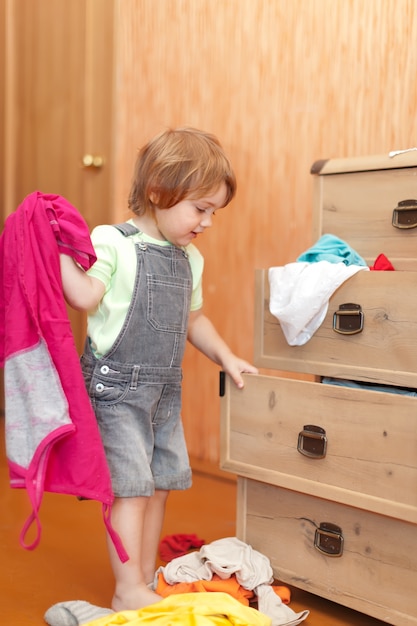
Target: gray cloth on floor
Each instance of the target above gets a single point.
(74, 613)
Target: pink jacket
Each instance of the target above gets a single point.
(52, 438)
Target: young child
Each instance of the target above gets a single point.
(144, 300)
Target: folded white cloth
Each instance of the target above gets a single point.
(186, 569)
(300, 294)
(231, 556)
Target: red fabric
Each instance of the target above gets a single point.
(382, 263)
(173, 546)
(33, 311)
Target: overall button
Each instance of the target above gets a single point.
(99, 387)
(104, 369)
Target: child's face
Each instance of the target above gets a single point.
(181, 223)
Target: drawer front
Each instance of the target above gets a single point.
(385, 351)
(376, 572)
(360, 208)
(359, 447)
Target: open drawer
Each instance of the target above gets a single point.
(384, 351)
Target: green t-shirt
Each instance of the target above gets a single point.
(116, 268)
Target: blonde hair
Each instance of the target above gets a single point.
(177, 164)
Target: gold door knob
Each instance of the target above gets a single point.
(89, 160)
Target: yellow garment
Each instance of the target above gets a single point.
(192, 609)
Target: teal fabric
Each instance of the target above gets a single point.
(331, 248)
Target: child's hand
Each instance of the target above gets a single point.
(234, 367)
(203, 335)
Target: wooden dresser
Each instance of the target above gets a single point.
(327, 473)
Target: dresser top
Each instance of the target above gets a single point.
(392, 160)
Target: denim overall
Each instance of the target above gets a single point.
(135, 388)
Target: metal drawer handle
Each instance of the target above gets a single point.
(328, 539)
(404, 216)
(312, 442)
(348, 320)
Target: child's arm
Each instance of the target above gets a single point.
(81, 291)
(203, 335)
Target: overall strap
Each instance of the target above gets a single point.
(127, 229)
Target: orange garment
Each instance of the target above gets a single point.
(283, 592)
(228, 585)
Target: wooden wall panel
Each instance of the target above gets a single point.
(2, 143)
(282, 84)
(2, 103)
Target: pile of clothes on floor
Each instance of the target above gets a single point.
(217, 584)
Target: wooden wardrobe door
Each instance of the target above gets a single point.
(59, 77)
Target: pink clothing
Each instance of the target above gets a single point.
(52, 438)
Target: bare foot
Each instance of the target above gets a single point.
(135, 598)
